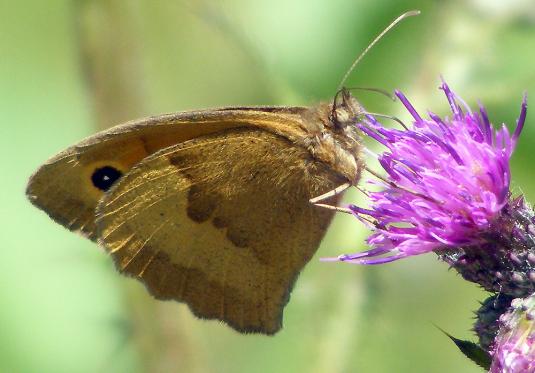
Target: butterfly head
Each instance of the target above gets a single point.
(345, 110)
(333, 135)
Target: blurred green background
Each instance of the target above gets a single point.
(68, 68)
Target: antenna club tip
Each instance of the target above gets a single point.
(374, 41)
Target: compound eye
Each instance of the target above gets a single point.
(104, 177)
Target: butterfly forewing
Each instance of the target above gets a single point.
(64, 187)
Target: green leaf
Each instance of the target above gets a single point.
(472, 351)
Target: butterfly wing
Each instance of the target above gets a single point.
(66, 186)
(221, 222)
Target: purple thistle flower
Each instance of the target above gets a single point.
(514, 350)
(447, 190)
(447, 183)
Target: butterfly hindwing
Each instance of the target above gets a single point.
(221, 222)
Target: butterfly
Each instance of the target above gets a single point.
(211, 207)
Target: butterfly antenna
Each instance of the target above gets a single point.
(391, 117)
(376, 90)
(377, 38)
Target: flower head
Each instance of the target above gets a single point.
(447, 182)
(487, 322)
(514, 350)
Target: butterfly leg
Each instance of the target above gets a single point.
(336, 191)
(331, 193)
(335, 208)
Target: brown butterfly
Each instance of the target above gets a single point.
(211, 207)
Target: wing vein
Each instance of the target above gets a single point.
(143, 245)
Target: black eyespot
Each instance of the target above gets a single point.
(104, 177)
